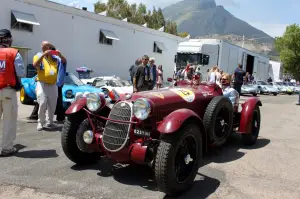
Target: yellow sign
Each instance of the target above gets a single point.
(185, 94)
(158, 95)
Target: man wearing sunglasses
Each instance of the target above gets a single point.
(229, 92)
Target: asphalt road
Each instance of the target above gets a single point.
(267, 170)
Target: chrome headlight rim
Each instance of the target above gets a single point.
(141, 113)
(93, 102)
(88, 137)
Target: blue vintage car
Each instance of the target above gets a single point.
(71, 86)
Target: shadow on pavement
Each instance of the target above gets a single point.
(37, 154)
(201, 188)
(143, 176)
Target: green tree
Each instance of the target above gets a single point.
(183, 34)
(171, 27)
(288, 46)
(99, 7)
(136, 14)
(160, 18)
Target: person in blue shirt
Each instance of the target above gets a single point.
(8, 94)
(60, 113)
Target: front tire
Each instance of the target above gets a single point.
(177, 160)
(24, 98)
(69, 142)
(274, 94)
(251, 137)
(254, 94)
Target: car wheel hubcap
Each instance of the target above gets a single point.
(185, 158)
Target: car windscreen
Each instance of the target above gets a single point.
(126, 83)
(71, 79)
(115, 83)
(100, 83)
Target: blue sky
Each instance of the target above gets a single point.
(271, 16)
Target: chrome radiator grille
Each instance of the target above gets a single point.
(115, 134)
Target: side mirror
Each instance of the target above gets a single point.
(175, 59)
(170, 79)
(205, 60)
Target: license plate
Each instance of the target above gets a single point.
(141, 133)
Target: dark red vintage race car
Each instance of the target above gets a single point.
(168, 129)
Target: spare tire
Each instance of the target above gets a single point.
(218, 119)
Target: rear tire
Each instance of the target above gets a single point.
(177, 160)
(251, 137)
(254, 94)
(218, 120)
(69, 143)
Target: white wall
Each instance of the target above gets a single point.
(78, 39)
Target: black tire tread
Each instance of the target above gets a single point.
(209, 113)
(167, 143)
(27, 99)
(69, 145)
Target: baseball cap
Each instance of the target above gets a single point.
(5, 33)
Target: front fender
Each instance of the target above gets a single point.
(174, 120)
(246, 113)
(76, 106)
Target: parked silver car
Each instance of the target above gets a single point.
(249, 89)
(265, 88)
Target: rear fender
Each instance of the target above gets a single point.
(247, 112)
(76, 106)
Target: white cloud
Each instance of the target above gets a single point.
(272, 29)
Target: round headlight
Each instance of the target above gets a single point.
(88, 137)
(69, 94)
(93, 101)
(78, 95)
(141, 108)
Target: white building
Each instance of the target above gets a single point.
(106, 45)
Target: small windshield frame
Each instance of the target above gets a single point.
(72, 79)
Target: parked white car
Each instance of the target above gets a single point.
(113, 86)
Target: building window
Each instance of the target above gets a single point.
(158, 47)
(107, 37)
(22, 21)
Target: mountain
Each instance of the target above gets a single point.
(204, 17)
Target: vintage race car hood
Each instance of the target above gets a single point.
(169, 99)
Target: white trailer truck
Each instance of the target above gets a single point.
(211, 52)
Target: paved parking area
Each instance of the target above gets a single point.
(267, 170)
